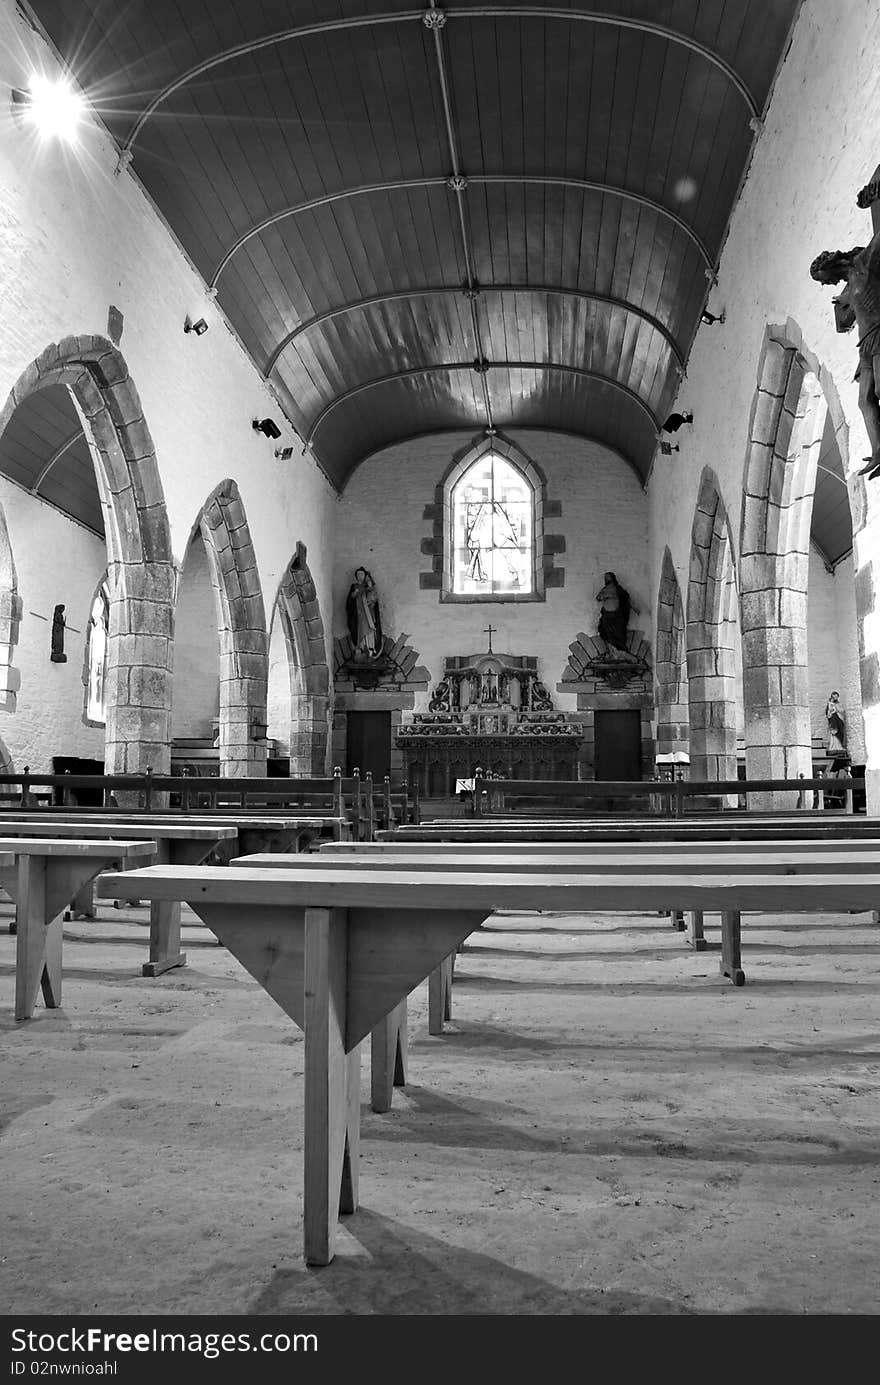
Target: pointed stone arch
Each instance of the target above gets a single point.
(670, 664)
(296, 608)
(10, 621)
(241, 624)
(712, 629)
(794, 394)
(141, 572)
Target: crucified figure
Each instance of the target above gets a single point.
(859, 305)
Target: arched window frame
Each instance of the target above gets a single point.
(99, 613)
(511, 454)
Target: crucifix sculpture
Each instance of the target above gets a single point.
(490, 631)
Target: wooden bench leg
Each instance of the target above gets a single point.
(83, 904)
(37, 948)
(165, 950)
(695, 930)
(388, 1053)
(332, 1087)
(731, 951)
(440, 995)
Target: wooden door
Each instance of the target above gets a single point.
(368, 744)
(618, 745)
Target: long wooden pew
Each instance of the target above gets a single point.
(639, 859)
(49, 873)
(339, 949)
(718, 827)
(507, 798)
(176, 844)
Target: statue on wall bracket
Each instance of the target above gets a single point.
(367, 662)
(858, 305)
(618, 665)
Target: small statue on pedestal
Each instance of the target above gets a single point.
(859, 305)
(58, 655)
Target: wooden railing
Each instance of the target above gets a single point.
(364, 805)
(667, 798)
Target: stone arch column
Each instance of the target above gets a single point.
(711, 631)
(241, 623)
(670, 665)
(296, 606)
(141, 573)
(785, 435)
(10, 621)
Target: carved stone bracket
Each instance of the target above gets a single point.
(591, 658)
(396, 664)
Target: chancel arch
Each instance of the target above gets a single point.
(712, 632)
(298, 676)
(92, 371)
(670, 665)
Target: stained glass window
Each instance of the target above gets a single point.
(99, 625)
(492, 530)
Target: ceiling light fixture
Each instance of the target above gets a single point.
(199, 327)
(52, 107)
(266, 426)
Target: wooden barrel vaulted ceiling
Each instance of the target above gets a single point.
(441, 217)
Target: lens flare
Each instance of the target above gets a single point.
(55, 109)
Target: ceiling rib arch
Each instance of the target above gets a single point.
(437, 291)
(438, 367)
(488, 179)
(332, 26)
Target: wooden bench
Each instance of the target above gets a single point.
(176, 845)
(339, 949)
(673, 798)
(343, 805)
(49, 873)
(718, 827)
(699, 859)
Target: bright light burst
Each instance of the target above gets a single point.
(55, 109)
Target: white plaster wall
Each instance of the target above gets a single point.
(799, 198)
(832, 650)
(196, 695)
(604, 521)
(56, 561)
(75, 239)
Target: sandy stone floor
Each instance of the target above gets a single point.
(606, 1127)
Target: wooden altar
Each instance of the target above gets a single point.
(490, 712)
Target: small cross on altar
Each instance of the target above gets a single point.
(490, 631)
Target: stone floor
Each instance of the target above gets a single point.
(606, 1127)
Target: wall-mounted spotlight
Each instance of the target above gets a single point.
(200, 326)
(708, 318)
(667, 448)
(674, 422)
(284, 454)
(267, 427)
(53, 108)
